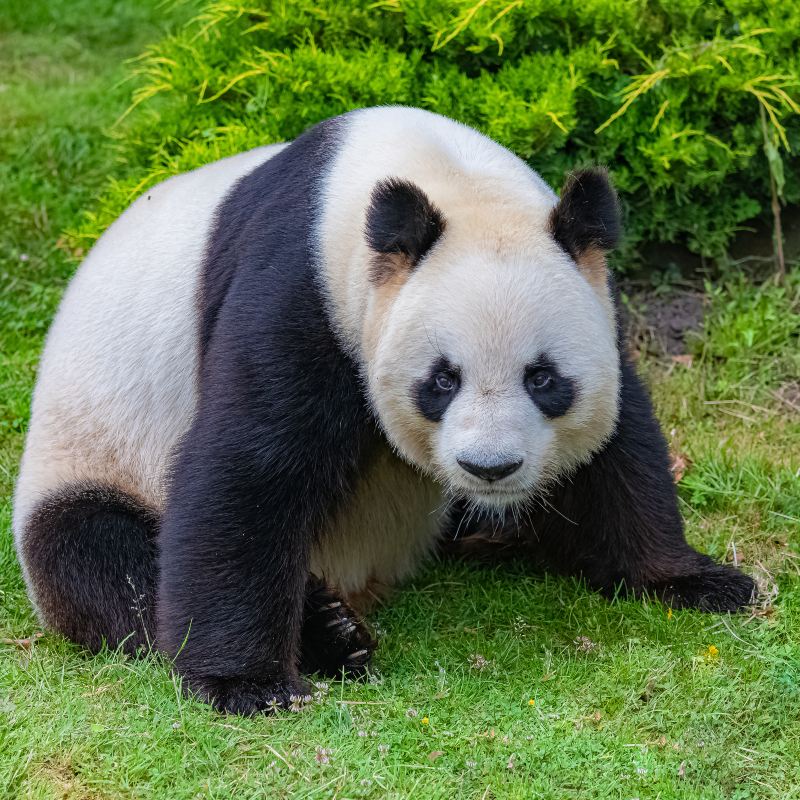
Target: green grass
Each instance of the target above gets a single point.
(628, 700)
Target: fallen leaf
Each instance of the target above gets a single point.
(678, 465)
(685, 359)
(682, 770)
(434, 754)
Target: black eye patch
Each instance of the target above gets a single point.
(433, 394)
(552, 392)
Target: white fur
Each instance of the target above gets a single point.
(384, 533)
(493, 294)
(116, 383)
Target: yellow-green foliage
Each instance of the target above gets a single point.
(669, 95)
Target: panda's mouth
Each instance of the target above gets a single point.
(496, 495)
(499, 498)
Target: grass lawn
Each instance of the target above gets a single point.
(488, 684)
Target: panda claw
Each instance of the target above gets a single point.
(334, 640)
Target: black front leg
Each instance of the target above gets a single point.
(234, 563)
(616, 523)
(276, 443)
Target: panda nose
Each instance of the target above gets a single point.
(490, 472)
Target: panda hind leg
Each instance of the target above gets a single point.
(90, 559)
(334, 639)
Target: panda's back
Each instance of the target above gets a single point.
(116, 385)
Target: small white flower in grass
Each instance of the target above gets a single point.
(362, 734)
(323, 755)
(273, 705)
(383, 749)
(512, 761)
(478, 662)
(411, 713)
(471, 764)
(322, 691)
(583, 644)
(366, 782)
(24, 257)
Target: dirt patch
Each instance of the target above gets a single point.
(661, 323)
(58, 778)
(789, 395)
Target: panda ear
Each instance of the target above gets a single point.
(402, 226)
(586, 222)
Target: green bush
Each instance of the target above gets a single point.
(690, 103)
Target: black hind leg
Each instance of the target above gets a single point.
(333, 638)
(90, 558)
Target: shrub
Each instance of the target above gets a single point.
(691, 103)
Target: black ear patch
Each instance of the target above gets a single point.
(587, 216)
(402, 225)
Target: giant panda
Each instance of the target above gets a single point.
(275, 380)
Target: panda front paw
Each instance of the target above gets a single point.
(247, 697)
(334, 640)
(716, 588)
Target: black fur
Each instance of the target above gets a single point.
(401, 221)
(429, 399)
(279, 434)
(616, 522)
(587, 215)
(91, 555)
(557, 397)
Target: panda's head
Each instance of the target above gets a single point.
(493, 361)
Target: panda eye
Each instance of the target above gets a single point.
(540, 379)
(444, 382)
(552, 392)
(434, 393)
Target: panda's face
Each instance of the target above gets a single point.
(496, 369)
